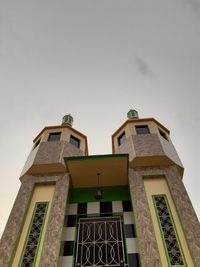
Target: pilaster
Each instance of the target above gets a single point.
(186, 212)
(14, 224)
(51, 247)
(149, 254)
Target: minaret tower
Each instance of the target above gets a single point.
(33, 233)
(167, 227)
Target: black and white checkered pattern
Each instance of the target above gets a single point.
(109, 208)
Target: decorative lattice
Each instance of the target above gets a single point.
(169, 234)
(100, 242)
(34, 235)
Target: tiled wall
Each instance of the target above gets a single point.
(109, 208)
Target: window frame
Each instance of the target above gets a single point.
(144, 126)
(52, 134)
(74, 138)
(36, 144)
(31, 228)
(174, 229)
(120, 137)
(163, 134)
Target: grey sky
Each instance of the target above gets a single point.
(96, 60)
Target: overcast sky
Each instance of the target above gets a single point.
(96, 60)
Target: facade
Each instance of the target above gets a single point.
(128, 209)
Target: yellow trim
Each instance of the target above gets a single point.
(175, 232)
(42, 193)
(30, 229)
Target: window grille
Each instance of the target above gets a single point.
(172, 246)
(100, 242)
(34, 235)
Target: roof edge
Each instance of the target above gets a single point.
(93, 157)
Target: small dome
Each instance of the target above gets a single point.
(132, 114)
(67, 119)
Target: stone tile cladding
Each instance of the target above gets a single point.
(127, 147)
(54, 152)
(148, 249)
(51, 246)
(15, 222)
(13, 227)
(142, 145)
(186, 212)
(144, 226)
(147, 145)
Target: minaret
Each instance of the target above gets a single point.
(167, 227)
(33, 233)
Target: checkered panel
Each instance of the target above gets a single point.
(72, 209)
(117, 207)
(91, 209)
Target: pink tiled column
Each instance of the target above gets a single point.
(149, 254)
(186, 212)
(52, 242)
(15, 223)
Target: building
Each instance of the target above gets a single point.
(129, 208)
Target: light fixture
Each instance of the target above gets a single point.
(98, 192)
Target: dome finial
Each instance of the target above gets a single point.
(67, 120)
(132, 114)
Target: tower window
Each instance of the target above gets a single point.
(36, 144)
(54, 136)
(142, 129)
(163, 134)
(35, 232)
(168, 231)
(75, 141)
(121, 139)
(100, 242)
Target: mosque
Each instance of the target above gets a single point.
(125, 209)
